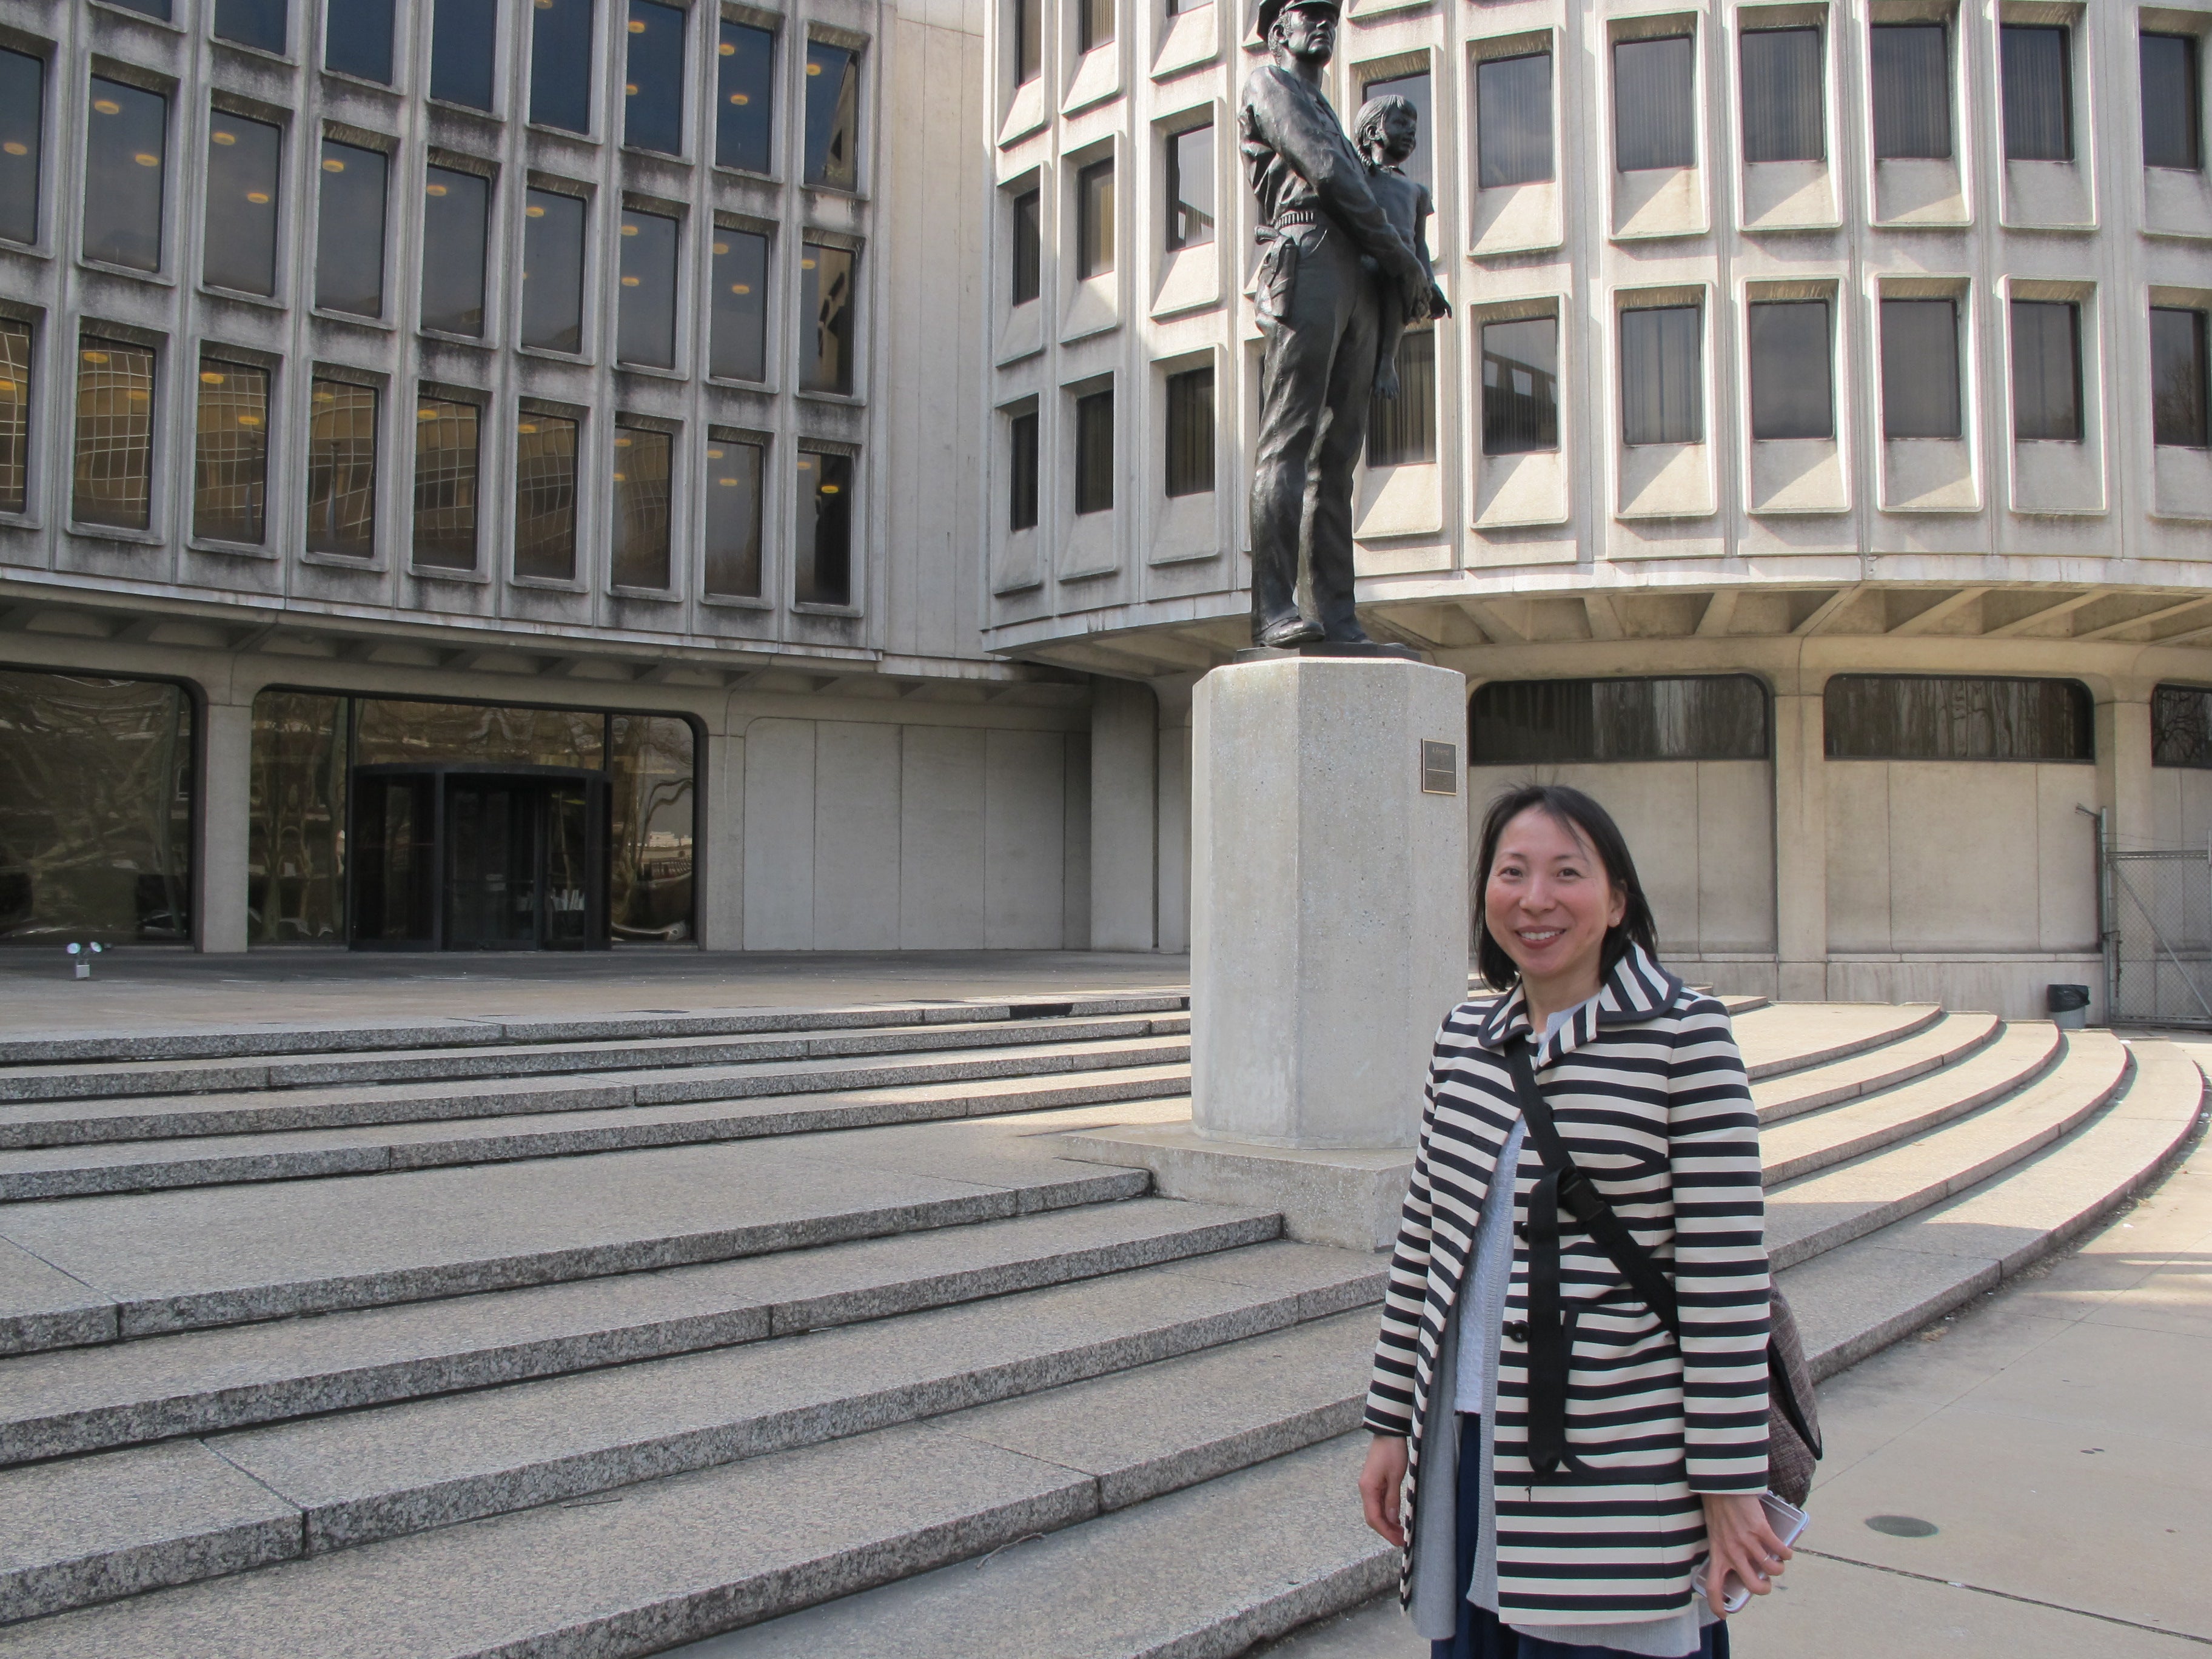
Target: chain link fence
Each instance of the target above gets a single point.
(2158, 937)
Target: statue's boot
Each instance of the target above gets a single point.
(1292, 629)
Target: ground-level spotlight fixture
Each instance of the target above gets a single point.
(81, 958)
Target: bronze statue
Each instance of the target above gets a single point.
(1332, 252)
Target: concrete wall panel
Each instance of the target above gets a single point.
(1735, 855)
(1963, 847)
(778, 851)
(2066, 857)
(1075, 886)
(856, 836)
(1858, 856)
(1024, 839)
(941, 839)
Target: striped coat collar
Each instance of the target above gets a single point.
(1637, 989)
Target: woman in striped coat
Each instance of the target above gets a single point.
(1551, 1521)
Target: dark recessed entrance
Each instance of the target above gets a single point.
(456, 857)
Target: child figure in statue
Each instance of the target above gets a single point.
(1386, 132)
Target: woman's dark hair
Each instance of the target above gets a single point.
(1579, 814)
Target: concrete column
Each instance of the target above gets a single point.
(1801, 846)
(219, 873)
(1124, 828)
(717, 871)
(2123, 775)
(1171, 927)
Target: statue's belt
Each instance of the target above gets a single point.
(1289, 218)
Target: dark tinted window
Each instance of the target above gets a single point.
(2172, 98)
(826, 302)
(1029, 41)
(739, 328)
(1094, 24)
(1662, 389)
(1021, 471)
(1513, 119)
(745, 90)
(2038, 94)
(240, 248)
(2178, 392)
(1792, 378)
(149, 8)
(2181, 726)
(824, 537)
(653, 85)
(1782, 96)
(114, 482)
(14, 415)
(455, 211)
(349, 231)
(733, 519)
(342, 469)
(1421, 167)
(647, 317)
(833, 116)
(251, 23)
(462, 33)
(445, 471)
(1521, 385)
(1655, 112)
(2046, 370)
(641, 507)
(1094, 219)
(1942, 717)
(1028, 245)
(1094, 452)
(561, 65)
(230, 453)
(1571, 722)
(1402, 431)
(545, 497)
(553, 271)
(1911, 68)
(1920, 369)
(125, 144)
(1190, 187)
(1190, 433)
(357, 39)
(22, 124)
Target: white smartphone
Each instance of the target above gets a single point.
(1788, 1522)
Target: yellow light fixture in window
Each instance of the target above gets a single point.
(533, 213)
(721, 247)
(107, 106)
(249, 420)
(829, 490)
(223, 137)
(806, 264)
(814, 68)
(259, 197)
(630, 88)
(137, 396)
(210, 377)
(740, 98)
(622, 443)
(527, 426)
(619, 479)
(728, 49)
(426, 414)
(629, 230)
(95, 356)
(331, 164)
(741, 288)
(326, 397)
(713, 454)
(435, 189)
(637, 26)
(726, 481)
(15, 148)
(146, 159)
(629, 282)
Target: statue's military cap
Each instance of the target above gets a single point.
(1271, 10)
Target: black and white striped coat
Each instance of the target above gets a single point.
(1650, 1095)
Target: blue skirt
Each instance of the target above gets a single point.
(1481, 1635)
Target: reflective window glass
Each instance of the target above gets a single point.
(114, 471)
(745, 110)
(2181, 726)
(1920, 369)
(1190, 187)
(1956, 717)
(462, 33)
(1911, 74)
(1402, 431)
(653, 82)
(733, 519)
(1576, 722)
(647, 322)
(446, 473)
(1513, 120)
(826, 299)
(342, 469)
(1661, 376)
(357, 39)
(244, 161)
(230, 453)
(456, 214)
(125, 144)
(1792, 370)
(349, 231)
(2172, 99)
(545, 497)
(833, 116)
(739, 333)
(149, 8)
(2179, 394)
(1521, 385)
(1783, 96)
(1654, 109)
(1029, 247)
(1094, 452)
(553, 271)
(1190, 433)
(2046, 371)
(1094, 24)
(561, 65)
(1029, 41)
(295, 858)
(14, 415)
(824, 531)
(23, 127)
(1021, 471)
(1420, 165)
(641, 507)
(1094, 219)
(650, 826)
(2038, 94)
(260, 24)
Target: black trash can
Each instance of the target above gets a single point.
(2069, 1006)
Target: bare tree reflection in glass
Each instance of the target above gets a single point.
(114, 480)
(342, 469)
(243, 159)
(553, 271)
(651, 822)
(733, 519)
(545, 497)
(230, 455)
(295, 815)
(125, 147)
(641, 508)
(445, 484)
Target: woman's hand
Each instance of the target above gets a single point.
(1741, 1540)
(1379, 1483)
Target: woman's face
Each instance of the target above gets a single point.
(1549, 902)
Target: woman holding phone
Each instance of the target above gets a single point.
(1553, 1460)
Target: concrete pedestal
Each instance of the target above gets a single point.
(1329, 937)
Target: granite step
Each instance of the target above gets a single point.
(1779, 1038)
(1945, 1043)
(362, 1477)
(83, 1400)
(140, 1079)
(1857, 1298)
(27, 1125)
(130, 1166)
(1821, 1211)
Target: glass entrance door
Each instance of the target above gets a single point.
(492, 833)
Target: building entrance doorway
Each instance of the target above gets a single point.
(458, 858)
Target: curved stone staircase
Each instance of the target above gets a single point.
(480, 1338)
